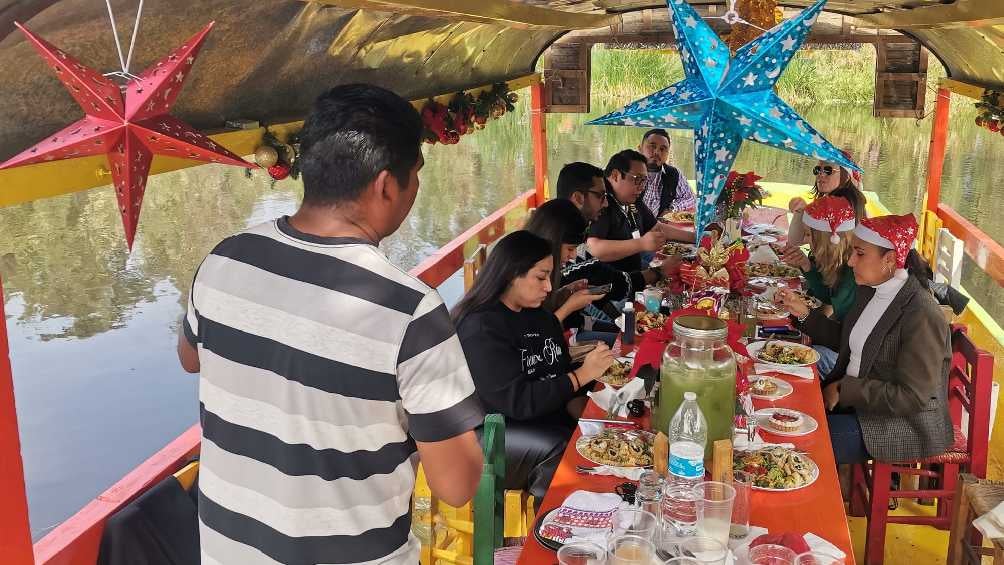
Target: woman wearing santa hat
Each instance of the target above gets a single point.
(887, 393)
(832, 179)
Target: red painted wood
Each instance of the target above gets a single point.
(538, 131)
(936, 151)
(15, 531)
(75, 541)
(982, 248)
(442, 264)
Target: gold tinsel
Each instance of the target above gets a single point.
(762, 13)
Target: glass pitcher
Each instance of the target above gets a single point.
(699, 360)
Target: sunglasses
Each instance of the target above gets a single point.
(638, 179)
(824, 169)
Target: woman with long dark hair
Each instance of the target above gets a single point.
(888, 388)
(519, 359)
(831, 179)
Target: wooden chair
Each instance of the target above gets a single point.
(974, 497)
(472, 265)
(970, 382)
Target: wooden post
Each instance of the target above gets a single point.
(936, 153)
(538, 131)
(15, 532)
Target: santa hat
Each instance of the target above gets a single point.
(832, 214)
(891, 232)
(854, 175)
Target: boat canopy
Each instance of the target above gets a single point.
(267, 61)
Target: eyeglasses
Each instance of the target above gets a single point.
(602, 195)
(638, 179)
(824, 169)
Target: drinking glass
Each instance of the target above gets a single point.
(653, 299)
(771, 554)
(679, 508)
(649, 495)
(817, 558)
(681, 561)
(714, 510)
(706, 550)
(582, 553)
(631, 550)
(634, 522)
(742, 482)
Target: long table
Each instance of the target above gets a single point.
(818, 508)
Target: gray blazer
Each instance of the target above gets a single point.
(900, 395)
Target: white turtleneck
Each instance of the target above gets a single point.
(884, 293)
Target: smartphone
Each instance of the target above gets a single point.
(600, 289)
(786, 334)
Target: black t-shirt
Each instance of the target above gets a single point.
(519, 361)
(617, 222)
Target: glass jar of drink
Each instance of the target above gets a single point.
(698, 360)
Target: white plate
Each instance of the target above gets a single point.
(754, 350)
(784, 388)
(759, 239)
(628, 362)
(809, 424)
(815, 475)
(769, 229)
(582, 441)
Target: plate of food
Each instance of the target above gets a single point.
(773, 270)
(783, 353)
(677, 248)
(647, 321)
(618, 374)
(785, 422)
(811, 302)
(770, 388)
(777, 469)
(679, 217)
(618, 447)
(766, 310)
(759, 239)
(765, 229)
(761, 284)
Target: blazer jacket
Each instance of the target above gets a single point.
(900, 394)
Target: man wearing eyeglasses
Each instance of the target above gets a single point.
(626, 229)
(666, 189)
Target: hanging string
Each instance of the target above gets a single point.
(124, 61)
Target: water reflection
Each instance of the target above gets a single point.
(92, 328)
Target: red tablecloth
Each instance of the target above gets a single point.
(817, 508)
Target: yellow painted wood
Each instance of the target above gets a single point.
(187, 475)
(962, 88)
(930, 223)
(501, 12)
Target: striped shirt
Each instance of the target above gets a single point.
(322, 363)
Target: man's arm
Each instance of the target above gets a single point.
(609, 250)
(187, 353)
(452, 467)
(677, 234)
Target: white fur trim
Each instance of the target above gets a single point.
(872, 236)
(822, 225)
(847, 225)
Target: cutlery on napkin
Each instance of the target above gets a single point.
(614, 402)
(800, 372)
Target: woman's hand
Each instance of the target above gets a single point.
(795, 257)
(791, 302)
(595, 364)
(796, 205)
(831, 395)
(562, 294)
(580, 299)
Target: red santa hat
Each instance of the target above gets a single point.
(831, 214)
(891, 232)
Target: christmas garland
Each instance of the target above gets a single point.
(991, 111)
(465, 113)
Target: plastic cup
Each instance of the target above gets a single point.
(681, 561)
(631, 550)
(818, 558)
(705, 550)
(742, 482)
(679, 508)
(634, 522)
(714, 510)
(653, 299)
(771, 554)
(582, 553)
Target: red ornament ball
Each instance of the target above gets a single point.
(279, 171)
(994, 125)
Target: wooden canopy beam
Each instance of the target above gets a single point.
(962, 88)
(941, 16)
(500, 12)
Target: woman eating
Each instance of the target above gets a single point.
(831, 180)
(519, 360)
(887, 392)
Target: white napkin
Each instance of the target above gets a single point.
(635, 389)
(629, 473)
(991, 524)
(800, 372)
(588, 505)
(819, 544)
(763, 254)
(741, 442)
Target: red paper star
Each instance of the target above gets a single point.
(129, 123)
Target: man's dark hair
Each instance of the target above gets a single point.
(622, 161)
(656, 131)
(576, 177)
(353, 132)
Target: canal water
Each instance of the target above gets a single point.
(92, 329)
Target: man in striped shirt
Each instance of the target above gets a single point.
(327, 372)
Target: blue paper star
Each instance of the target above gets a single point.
(726, 100)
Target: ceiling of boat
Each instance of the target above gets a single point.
(268, 60)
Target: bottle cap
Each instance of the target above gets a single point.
(690, 396)
(629, 306)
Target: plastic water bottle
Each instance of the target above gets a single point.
(688, 438)
(629, 324)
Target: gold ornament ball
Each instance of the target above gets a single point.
(266, 156)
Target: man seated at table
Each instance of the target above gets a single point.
(666, 189)
(624, 231)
